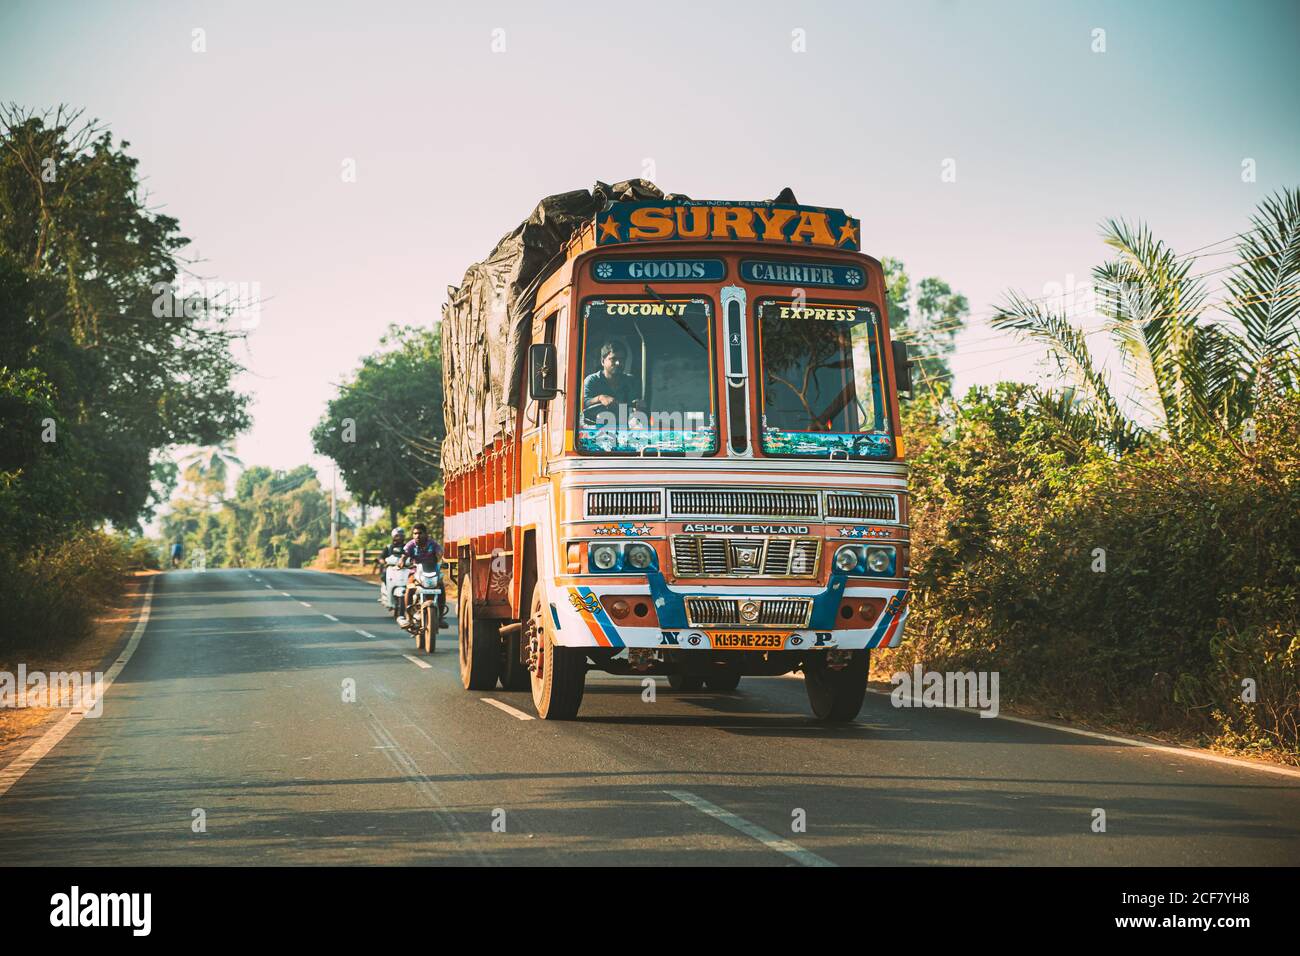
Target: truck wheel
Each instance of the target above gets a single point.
(724, 681)
(514, 673)
(687, 682)
(480, 653)
(836, 696)
(559, 674)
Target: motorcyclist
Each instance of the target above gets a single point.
(395, 548)
(424, 550)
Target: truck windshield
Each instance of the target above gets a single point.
(821, 380)
(647, 377)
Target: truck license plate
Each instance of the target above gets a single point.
(747, 641)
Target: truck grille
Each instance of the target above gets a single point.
(725, 612)
(697, 556)
(695, 503)
(862, 507)
(604, 504)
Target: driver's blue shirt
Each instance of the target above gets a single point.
(619, 388)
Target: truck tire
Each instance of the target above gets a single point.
(836, 696)
(686, 682)
(559, 674)
(514, 673)
(480, 650)
(724, 681)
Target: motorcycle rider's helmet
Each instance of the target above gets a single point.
(399, 533)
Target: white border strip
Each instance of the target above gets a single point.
(11, 774)
(1127, 741)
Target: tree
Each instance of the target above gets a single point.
(385, 428)
(1193, 377)
(84, 264)
(209, 468)
(928, 321)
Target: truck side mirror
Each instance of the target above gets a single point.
(902, 368)
(542, 374)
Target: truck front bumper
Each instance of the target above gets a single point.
(581, 618)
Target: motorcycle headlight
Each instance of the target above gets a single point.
(880, 560)
(604, 556)
(848, 558)
(639, 556)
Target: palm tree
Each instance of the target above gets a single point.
(207, 469)
(1193, 376)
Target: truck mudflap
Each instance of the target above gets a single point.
(581, 620)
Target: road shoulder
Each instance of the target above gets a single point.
(21, 727)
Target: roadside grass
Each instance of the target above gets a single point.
(88, 652)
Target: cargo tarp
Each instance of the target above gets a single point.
(487, 320)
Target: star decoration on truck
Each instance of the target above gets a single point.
(609, 229)
(864, 532)
(625, 529)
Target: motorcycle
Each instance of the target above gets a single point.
(395, 589)
(424, 604)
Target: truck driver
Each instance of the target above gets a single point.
(608, 386)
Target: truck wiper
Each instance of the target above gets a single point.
(676, 318)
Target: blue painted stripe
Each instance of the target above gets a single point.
(606, 625)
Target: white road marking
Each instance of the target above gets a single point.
(766, 837)
(417, 662)
(1127, 741)
(332, 617)
(304, 604)
(501, 705)
(367, 634)
(11, 774)
(268, 587)
(286, 594)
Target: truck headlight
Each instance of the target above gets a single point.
(848, 558)
(880, 560)
(604, 556)
(639, 556)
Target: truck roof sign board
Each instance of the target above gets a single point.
(778, 223)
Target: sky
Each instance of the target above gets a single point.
(458, 117)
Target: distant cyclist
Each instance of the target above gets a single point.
(178, 552)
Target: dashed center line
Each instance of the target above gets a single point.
(765, 837)
(501, 705)
(417, 662)
(304, 604)
(332, 617)
(367, 634)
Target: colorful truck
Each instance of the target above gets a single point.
(673, 449)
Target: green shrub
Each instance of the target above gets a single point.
(1200, 588)
(50, 596)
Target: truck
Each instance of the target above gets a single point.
(673, 450)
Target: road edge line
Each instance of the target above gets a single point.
(24, 762)
(1171, 749)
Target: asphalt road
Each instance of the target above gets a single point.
(233, 705)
